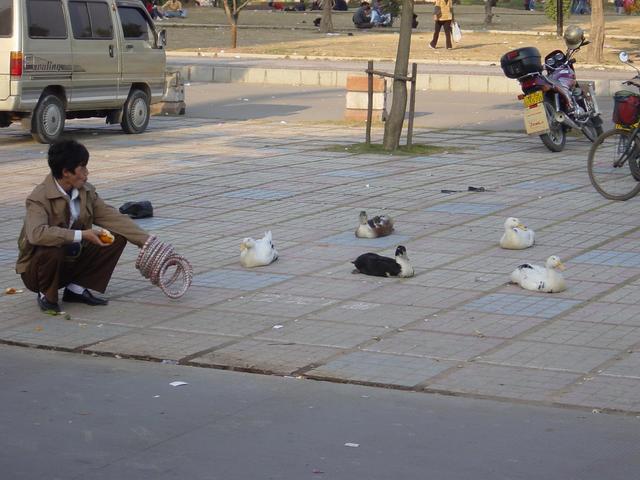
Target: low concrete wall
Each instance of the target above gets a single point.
(338, 78)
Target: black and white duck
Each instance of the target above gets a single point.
(541, 279)
(379, 266)
(378, 226)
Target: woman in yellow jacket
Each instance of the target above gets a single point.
(443, 15)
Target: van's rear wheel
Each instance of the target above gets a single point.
(47, 120)
(136, 111)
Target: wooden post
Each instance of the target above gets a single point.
(370, 100)
(412, 104)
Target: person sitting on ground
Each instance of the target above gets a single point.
(362, 17)
(173, 8)
(58, 246)
(378, 18)
(340, 5)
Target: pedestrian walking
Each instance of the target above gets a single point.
(443, 16)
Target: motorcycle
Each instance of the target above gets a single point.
(554, 102)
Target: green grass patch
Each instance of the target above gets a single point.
(413, 150)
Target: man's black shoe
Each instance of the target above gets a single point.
(84, 297)
(47, 306)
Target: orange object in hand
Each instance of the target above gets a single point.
(106, 236)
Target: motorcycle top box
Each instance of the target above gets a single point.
(520, 62)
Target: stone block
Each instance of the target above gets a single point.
(282, 76)
(479, 83)
(222, 74)
(439, 82)
(459, 83)
(327, 79)
(360, 83)
(360, 100)
(201, 73)
(309, 78)
(361, 115)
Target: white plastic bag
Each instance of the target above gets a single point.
(457, 34)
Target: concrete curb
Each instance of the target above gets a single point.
(445, 82)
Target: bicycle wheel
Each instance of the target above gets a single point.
(613, 164)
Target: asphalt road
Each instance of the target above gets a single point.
(68, 416)
(234, 101)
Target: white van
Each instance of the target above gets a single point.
(78, 59)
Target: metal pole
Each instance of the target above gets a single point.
(370, 100)
(412, 104)
(559, 19)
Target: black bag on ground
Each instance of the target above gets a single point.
(142, 209)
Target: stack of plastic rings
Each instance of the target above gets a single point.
(155, 258)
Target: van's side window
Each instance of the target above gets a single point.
(46, 19)
(6, 18)
(134, 24)
(90, 20)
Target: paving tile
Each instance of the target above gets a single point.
(479, 324)
(398, 292)
(322, 333)
(545, 185)
(540, 305)
(468, 208)
(381, 368)
(373, 314)
(58, 332)
(349, 238)
(550, 356)
(586, 334)
(269, 356)
(159, 344)
(238, 279)
(275, 304)
(504, 382)
(606, 392)
(217, 322)
(441, 346)
(354, 173)
(625, 365)
(258, 194)
(611, 313)
(609, 257)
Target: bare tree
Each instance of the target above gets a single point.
(596, 37)
(232, 9)
(326, 24)
(393, 125)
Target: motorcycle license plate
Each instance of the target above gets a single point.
(619, 126)
(533, 98)
(535, 120)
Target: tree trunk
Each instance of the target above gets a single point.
(234, 32)
(488, 13)
(596, 36)
(393, 125)
(326, 24)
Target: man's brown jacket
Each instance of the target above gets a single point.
(48, 214)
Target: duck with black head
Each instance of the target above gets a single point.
(379, 266)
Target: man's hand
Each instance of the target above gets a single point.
(91, 236)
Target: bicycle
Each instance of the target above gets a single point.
(614, 158)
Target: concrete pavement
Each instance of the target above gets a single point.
(455, 328)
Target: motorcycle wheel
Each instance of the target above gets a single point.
(557, 136)
(593, 129)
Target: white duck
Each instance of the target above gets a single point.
(541, 279)
(378, 226)
(257, 253)
(516, 235)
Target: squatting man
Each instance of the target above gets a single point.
(58, 245)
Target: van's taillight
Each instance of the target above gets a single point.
(15, 65)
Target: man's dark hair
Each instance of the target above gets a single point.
(67, 155)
